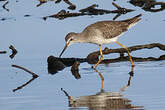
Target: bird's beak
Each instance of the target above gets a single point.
(67, 44)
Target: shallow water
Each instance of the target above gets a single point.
(36, 39)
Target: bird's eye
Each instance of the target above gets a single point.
(71, 39)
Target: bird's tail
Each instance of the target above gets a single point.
(132, 21)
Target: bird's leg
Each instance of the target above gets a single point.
(130, 58)
(101, 57)
(102, 80)
(129, 82)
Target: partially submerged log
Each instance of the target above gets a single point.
(149, 5)
(56, 64)
(71, 5)
(120, 10)
(94, 56)
(90, 10)
(63, 14)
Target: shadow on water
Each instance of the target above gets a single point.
(103, 100)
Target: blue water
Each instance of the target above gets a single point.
(36, 39)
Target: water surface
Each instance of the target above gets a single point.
(36, 39)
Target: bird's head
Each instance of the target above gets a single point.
(70, 39)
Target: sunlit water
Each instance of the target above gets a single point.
(36, 39)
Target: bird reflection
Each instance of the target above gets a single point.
(103, 100)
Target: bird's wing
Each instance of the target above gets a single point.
(111, 29)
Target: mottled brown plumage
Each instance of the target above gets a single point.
(111, 29)
(102, 32)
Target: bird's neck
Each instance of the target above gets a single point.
(80, 38)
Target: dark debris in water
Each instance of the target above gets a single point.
(120, 10)
(149, 5)
(71, 5)
(64, 14)
(3, 19)
(34, 75)
(3, 52)
(90, 10)
(27, 15)
(14, 51)
(56, 64)
(25, 84)
(94, 56)
(4, 6)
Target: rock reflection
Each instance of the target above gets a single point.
(103, 100)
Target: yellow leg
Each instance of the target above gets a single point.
(102, 80)
(101, 57)
(130, 58)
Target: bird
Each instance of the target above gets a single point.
(102, 32)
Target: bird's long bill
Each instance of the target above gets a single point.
(63, 50)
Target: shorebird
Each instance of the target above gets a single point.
(102, 32)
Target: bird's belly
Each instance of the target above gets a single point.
(100, 40)
(107, 41)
